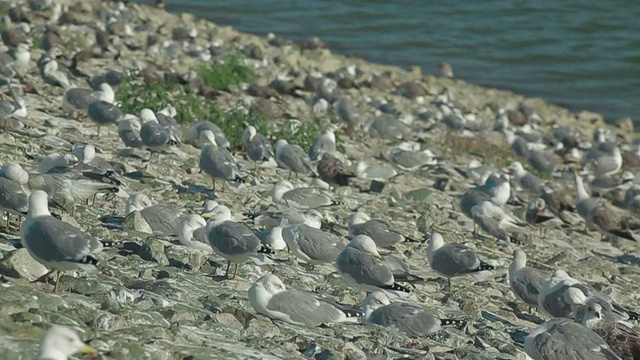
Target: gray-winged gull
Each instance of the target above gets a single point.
(55, 244)
(576, 297)
(129, 131)
(257, 146)
(381, 231)
(409, 160)
(77, 100)
(192, 135)
(598, 215)
(192, 233)
(360, 264)
(311, 245)
(273, 238)
(388, 127)
(14, 195)
(9, 109)
(155, 137)
(564, 339)
(270, 219)
(54, 73)
(86, 154)
(470, 199)
(347, 112)
(293, 158)
(410, 319)
(498, 187)
(526, 180)
(604, 158)
(325, 143)
(161, 219)
(104, 113)
(622, 339)
(284, 192)
(236, 242)
(451, 260)
(270, 297)
(379, 172)
(218, 162)
(57, 161)
(60, 342)
(493, 219)
(525, 281)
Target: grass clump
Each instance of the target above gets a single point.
(230, 71)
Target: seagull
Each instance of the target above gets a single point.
(526, 180)
(325, 143)
(155, 137)
(622, 339)
(192, 135)
(331, 170)
(218, 162)
(487, 210)
(381, 231)
(525, 281)
(257, 146)
(498, 188)
(55, 244)
(409, 160)
(451, 260)
(14, 195)
(301, 198)
(293, 158)
(311, 245)
(410, 319)
(129, 131)
(192, 233)
(270, 297)
(161, 219)
(60, 342)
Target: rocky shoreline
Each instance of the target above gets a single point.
(155, 299)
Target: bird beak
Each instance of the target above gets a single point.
(89, 350)
(380, 257)
(207, 215)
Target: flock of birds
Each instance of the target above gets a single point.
(585, 323)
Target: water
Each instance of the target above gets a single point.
(581, 57)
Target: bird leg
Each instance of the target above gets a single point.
(448, 284)
(58, 276)
(98, 130)
(93, 202)
(255, 166)
(289, 178)
(235, 272)
(226, 273)
(224, 186)
(213, 181)
(8, 220)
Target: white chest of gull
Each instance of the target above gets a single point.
(564, 339)
(218, 162)
(604, 158)
(257, 146)
(284, 192)
(360, 264)
(161, 219)
(273, 238)
(498, 188)
(236, 242)
(381, 231)
(452, 260)
(410, 319)
(325, 143)
(525, 281)
(192, 233)
(55, 244)
(526, 180)
(622, 339)
(293, 158)
(14, 195)
(60, 342)
(310, 245)
(154, 136)
(270, 297)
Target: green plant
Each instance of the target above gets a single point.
(230, 71)
(302, 133)
(35, 43)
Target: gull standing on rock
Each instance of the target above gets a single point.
(451, 260)
(347, 113)
(301, 198)
(269, 220)
(257, 146)
(86, 155)
(218, 162)
(525, 281)
(55, 244)
(60, 342)
(270, 297)
(9, 110)
(599, 215)
(498, 188)
(409, 160)
(161, 219)
(622, 339)
(235, 242)
(154, 136)
(193, 137)
(104, 113)
(410, 319)
(493, 219)
(192, 233)
(54, 73)
(77, 100)
(564, 339)
(604, 158)
(360, 264)
(526, 180)
(129, 131)
(293, 158)
(331, 171)
(381, 231)
(311, 245)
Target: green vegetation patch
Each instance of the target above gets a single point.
(229, 71)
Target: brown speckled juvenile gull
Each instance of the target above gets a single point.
(622, 339)
(331, 170)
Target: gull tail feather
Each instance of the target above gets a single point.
(396, 287)
(484, 266)
(623, 233)
(445, 322)
(89, 260)
(107, 243)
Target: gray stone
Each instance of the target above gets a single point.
(153, 250)
(136, 222)
(19, 264)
